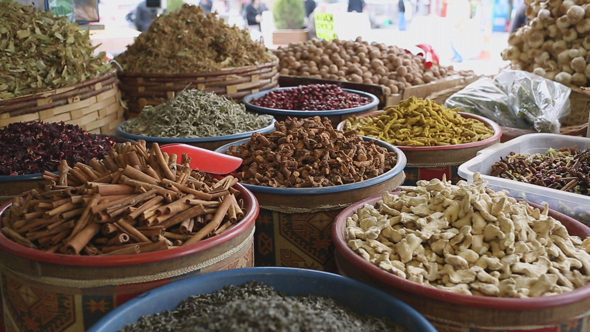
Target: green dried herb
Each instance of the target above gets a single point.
(194, 114)
(255, 306)
(41, 52)
(189, 41)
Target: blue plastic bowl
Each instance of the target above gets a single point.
(282, 114)
(361, 298)
(399, 167)
(205, 142)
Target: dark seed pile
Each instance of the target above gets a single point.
(313, 97)
(256, 307)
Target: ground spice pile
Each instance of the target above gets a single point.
(190, 41)
(41, 52)
(255, 306)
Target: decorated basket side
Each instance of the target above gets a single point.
(575, 124)
(140, 90)
(94, 105)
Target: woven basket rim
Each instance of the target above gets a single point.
(223, 71)
(45, 94)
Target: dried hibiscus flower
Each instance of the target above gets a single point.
(34, 147)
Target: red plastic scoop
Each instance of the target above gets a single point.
(204, 160)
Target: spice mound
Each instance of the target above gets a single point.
(34, 147)
(566, 169)
(419, 122)
(195, 114)
(254, 306)
(134, 200)
(310, 153)
(470, 240)
(42, 52)
(189, 41)
(314, 97)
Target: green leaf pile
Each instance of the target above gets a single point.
(41, 52)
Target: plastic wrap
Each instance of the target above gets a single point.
(516, 99)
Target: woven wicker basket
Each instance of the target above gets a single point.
(140, 90)
(575, 124)
(94, 105)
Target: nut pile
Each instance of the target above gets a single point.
(555, 43)
(42, 52)
(189, 41)
(310, 153)
(313, 97)
(567, 169)
(135, 200)
(419, 122)
(359, 62)
(467, 239)
(33, 147)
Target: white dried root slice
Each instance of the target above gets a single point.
(468, 239)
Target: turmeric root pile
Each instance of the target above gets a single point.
(470, 240)
(555, 43)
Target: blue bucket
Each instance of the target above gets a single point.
(361, 298)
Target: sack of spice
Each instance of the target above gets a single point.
(190, 41)
(43, 52)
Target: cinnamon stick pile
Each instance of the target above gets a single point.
(134, 200)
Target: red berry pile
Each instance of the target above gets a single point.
(314, 97)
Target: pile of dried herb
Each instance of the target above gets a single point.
(255, 306)
(34, 147)
(566, 169)
(41, 52)
(195, 114)
(189, 41)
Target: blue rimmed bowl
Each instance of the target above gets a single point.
(210, 143)
(359, 297)
(293, 227)
(335, 116)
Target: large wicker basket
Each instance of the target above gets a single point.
(140, 90)
(575, 124)
(94, 105)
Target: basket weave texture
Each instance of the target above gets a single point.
(140, 90)
(94, 105)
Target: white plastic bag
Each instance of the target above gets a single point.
(516, 99)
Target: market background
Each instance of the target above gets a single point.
(485, 35)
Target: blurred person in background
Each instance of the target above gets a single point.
(519, 18)
(207, 5)
(143, 17)
(309, 7)
(401, 15)
(356, 6)
(254, 15)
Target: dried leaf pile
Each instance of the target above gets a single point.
(189, 41)
(195, 113)
(41, 52)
